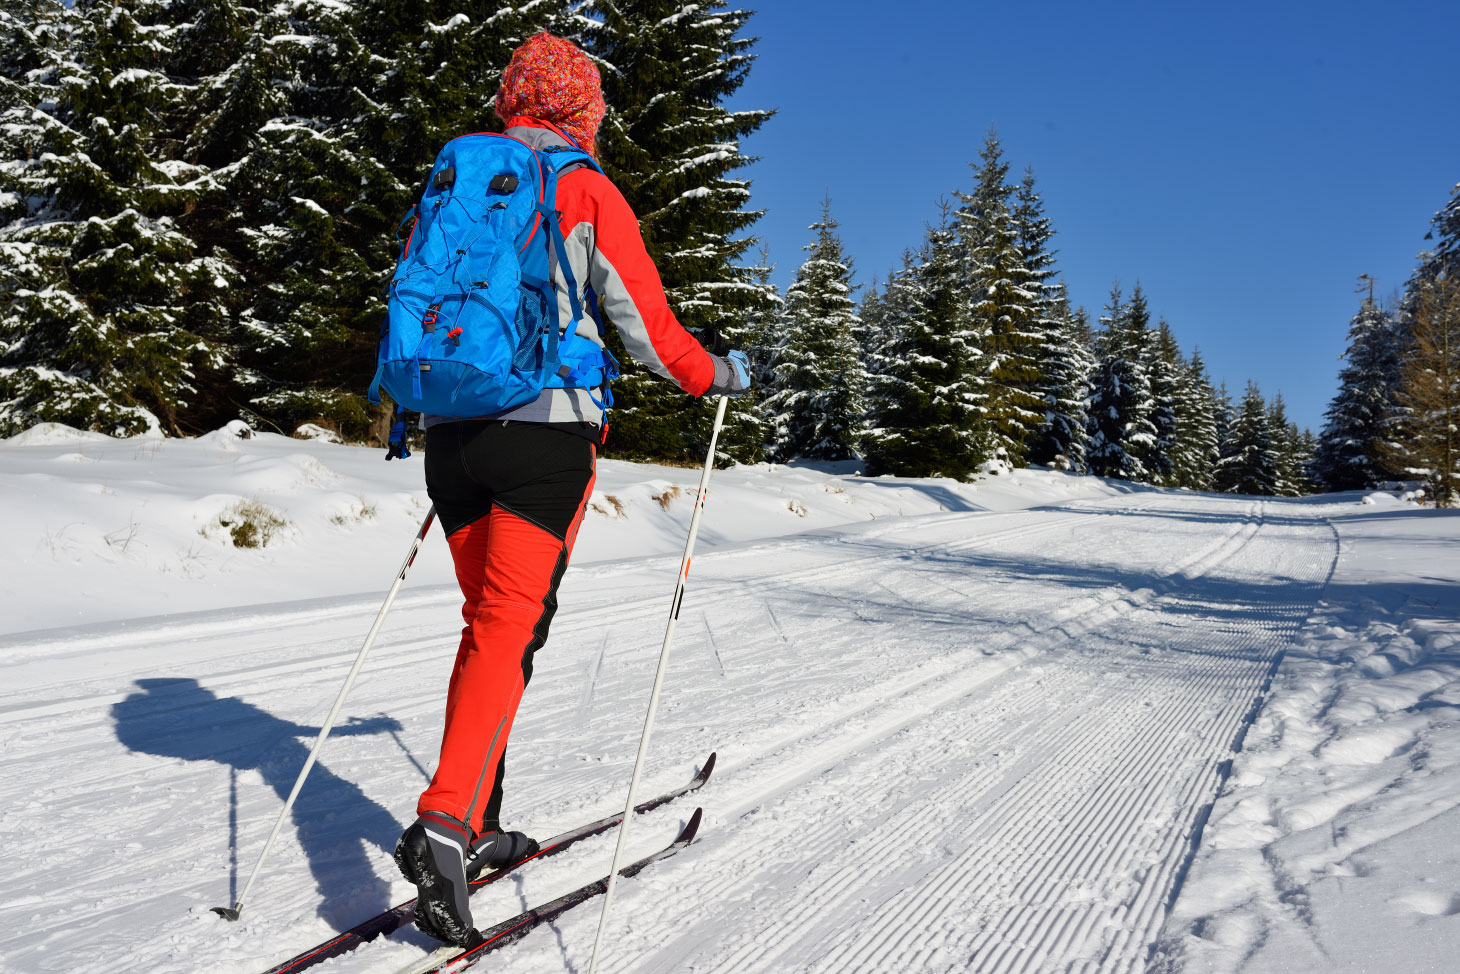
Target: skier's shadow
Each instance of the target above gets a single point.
(333, 819)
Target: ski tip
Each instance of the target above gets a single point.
(704, 774)
(687, 834)
(227, 912)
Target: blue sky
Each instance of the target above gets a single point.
(1244, 162)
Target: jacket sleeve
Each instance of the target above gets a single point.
(624, 277)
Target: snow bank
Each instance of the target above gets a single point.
(1333, 845)
(102, 528)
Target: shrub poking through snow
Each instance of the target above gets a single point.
(313, 431)
(618, 512)
(252, 524)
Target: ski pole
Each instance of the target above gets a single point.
(231, 913)
(689, 545)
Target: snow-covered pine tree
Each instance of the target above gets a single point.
(1225, 413)
(1122, 435)
(759, 340)
(1249, 464)
(1426, 432)
(870, 331)
(346, 105)
(1065, 377)
(35, 41)
(1444, 257)
(309, 211)
(1310, 450)
(1349, 447)
(673, 148)
(1163, 365)
(441, 76)
(925, 388)
(815, 402)
(1300, 446)
(1062, 362)
(1007, 297)
(1198, 441)
(115, 310)
(1287, 446)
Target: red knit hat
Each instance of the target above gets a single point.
(550, 79)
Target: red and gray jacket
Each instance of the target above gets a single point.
(607, 255)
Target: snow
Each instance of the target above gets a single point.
(960, 726)
(1332, 847)
(457, 20)
(132, 74)
(310, 205)
(81, 492)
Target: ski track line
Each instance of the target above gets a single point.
(910, 694)
(831, 727)
(840, 745)
(848, 709)
(587, 615)
(283, 676)
(1032, 935)
(261, 681)
(1028, 935)
(832, 738)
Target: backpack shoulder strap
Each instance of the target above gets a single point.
(565, 158)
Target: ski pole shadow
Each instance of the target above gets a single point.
(333, 820)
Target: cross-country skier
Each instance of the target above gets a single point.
(510, 489)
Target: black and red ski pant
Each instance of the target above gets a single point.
(510, 497)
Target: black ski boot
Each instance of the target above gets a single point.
(432, 855)
(493, 850)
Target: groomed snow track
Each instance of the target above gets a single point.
(949, 743)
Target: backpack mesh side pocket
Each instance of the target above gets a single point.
(532, 317)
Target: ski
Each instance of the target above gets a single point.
(398, 916)
(451, 959)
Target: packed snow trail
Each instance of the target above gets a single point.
(959, 741)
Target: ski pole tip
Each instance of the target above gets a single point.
(229, 912)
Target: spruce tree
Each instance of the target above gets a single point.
(1287, 444)
(309, 210)
(1122, 436)
(1163, 365)
(1226, 421)
(1063, 440)
(1007, 296)
(815, 401)
(869, 330)
(1426, 434)
(115, 309)
(673, 148)
(1062, 361)
(1349, 448)
(1198, 439)
(1250, 460)
(444, 81)
(1444, 257)
(925, 387)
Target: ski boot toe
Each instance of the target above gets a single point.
(493, 850)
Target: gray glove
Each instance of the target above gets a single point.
(732, 375)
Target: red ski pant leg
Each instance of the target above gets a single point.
(508, 569)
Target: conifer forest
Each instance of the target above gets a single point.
(199, 202)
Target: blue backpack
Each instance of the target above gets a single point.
(471, 325)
